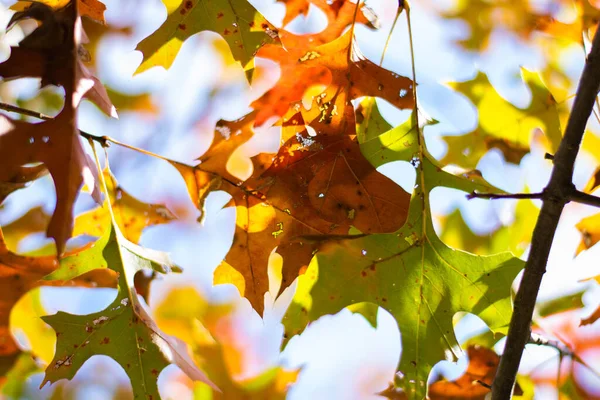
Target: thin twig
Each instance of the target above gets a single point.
(556, 195)
(102, 140)
(573, 195)
(585, 198)
(494, 196)
(24, 111)
(540, 340)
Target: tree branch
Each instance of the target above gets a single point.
(494, 196)
(556, 195)
(573, 195)
(585, 198)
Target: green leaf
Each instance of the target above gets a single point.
(515, 237)
(16, 378)
(123, 331)
(369, 121)
(501, 124)
(411, 273)
(240, 24)
(568, 302)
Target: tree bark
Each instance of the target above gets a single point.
(558, 192)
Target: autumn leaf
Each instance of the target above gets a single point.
(332, 65)
(124, 324)
(244, 29)
(314, 188)
(411, 273)
(475, 383)
(502, 125)
(33, 221)
(92, 9)
(339, 14)
(39, 52)
(55, 142)
(20, 178)
(207, 326)
(483, 18)
(131, 214)
(294, 8)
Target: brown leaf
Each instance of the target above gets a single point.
(314, 187)
(50, 52)
(56, 143)
(331, 65)
(475, 383)
(592, 318)
(21, 177)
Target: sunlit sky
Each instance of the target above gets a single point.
(342, 356)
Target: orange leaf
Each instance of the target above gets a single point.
(339, 14)
(312, 189)
(474, 383)
(330, 65)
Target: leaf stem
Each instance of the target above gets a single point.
(556, 195)
(389, 37)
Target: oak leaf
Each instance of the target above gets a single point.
(56, 143)
(334, 66)
(21, 273)
(411, 273)
(339, 13)
(502, 125)
(49, 53)
(240, 24)
(124, 324)
(475, 383)
(314, 190)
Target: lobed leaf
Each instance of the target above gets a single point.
(123, 331)
(240, 24)
(502, 125)
(411, 273)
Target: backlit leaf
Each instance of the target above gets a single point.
(244, 29)
(346, 75)
(123, 331)
(410, 273)
(209, 328)
(502, 125)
